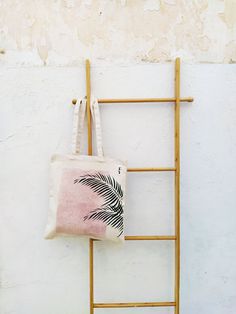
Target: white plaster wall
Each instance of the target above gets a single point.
(51, 277)
(63, 32)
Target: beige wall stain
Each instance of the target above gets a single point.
(64, 32)
(229, 14)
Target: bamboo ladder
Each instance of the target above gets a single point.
(176, 100)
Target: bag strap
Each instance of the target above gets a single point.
(97, 124)
(78, 125)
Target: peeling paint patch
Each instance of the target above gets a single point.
(170, 2)
(66, 32)
(151, 5)
(230, 52)
(229, 14)
(204, 43)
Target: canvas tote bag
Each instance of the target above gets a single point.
(86, 192)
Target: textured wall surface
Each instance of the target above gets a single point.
(51, 277)
(64, 32)
(43, 45)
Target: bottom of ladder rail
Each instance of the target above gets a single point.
(136, 304)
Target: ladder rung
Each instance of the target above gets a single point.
(147, 238)
(135, 304)
(141, 100)
(130, 238)
(150, 169)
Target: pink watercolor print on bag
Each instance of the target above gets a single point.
(89, 203)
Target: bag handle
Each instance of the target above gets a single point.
(97, 125)
(78, 125)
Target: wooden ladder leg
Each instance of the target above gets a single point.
(177, 183)
(89, 121)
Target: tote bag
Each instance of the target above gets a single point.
(87, 193)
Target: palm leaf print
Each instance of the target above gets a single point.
(111, 211)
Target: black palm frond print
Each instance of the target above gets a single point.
(111, 211)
